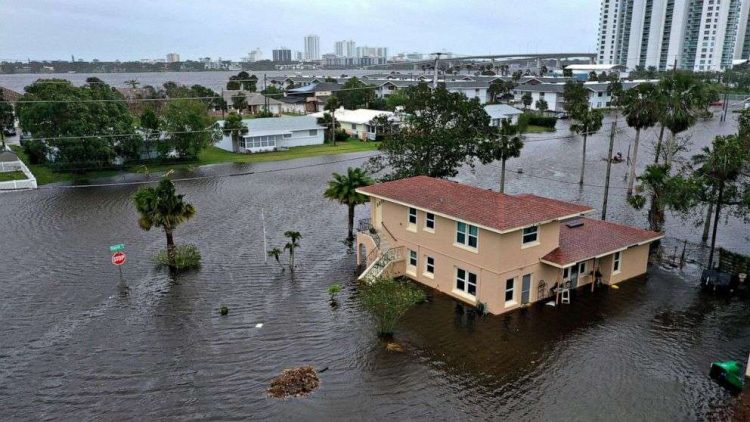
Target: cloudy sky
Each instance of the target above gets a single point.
(135, 29)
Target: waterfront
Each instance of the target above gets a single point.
(79, 344)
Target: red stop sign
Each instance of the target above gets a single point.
(118, 258)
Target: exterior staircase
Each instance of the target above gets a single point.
(382, 256)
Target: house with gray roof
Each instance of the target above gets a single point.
(274, 133)
(500, 112)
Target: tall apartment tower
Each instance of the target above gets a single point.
(698, 35)
(312, 47)
(282, 54)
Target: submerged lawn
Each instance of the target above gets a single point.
(211, 155)
(12, 175)
(538, 129)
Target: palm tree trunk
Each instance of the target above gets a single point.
(170, 247)
(655, 215)
(631, 176)
(583, 159)
(502, 176)
(333, 128)
(716, 224)
(351, 223)
(707, 223)
(658, 145)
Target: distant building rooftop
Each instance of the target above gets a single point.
(272, 125)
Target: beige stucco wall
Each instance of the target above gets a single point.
(633, 264)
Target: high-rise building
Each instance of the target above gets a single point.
(173, 58)
(345, 48)
(312, 47)
(282, 54)
(698, 35)
(255, 55)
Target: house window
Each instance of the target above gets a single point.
(582, 268)
(617, 262)
(412, 268)
(509, 287)
(466, 234)
(313, 132)
(429, 266)
(466, 281)
(530, 235)
(354, 126)
(566, 273)
(412, 216)
(429, 221)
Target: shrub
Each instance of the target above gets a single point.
(186, 257)
(389, 300)
(537, 120)
(334, 290)
(341, 135)
(36, 151)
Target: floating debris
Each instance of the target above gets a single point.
(259, 325)
(224, 310)
(394, 347)
(294, 382)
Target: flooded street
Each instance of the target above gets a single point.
(78, 343)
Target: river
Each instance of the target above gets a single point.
(78, 343)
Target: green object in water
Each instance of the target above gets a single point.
(730, 372)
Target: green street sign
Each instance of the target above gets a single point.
(118, 247)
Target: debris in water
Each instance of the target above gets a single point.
(224, 310)
(259, 325)
(294, 382)
(394, 347)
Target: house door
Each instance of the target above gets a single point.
(574, 276)
(525, 288)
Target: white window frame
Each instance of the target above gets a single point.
(617, 262)
(466, 244)
(429, 218)
(466, 280)
(511, 290)
(409, 225)
(412, 268)
(429, 267)
(566, 273)
(529, 243)
(581, 268)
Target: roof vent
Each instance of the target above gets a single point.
(574, 223)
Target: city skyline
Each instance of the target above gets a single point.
(142, 29)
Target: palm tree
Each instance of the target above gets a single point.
(239, 102)
(275, 253)
(587, 122)
(162, 207)
(526, 100)
(292, 245)
(332, 104)
(506, 143)
(541, 105)
(133, 83)
(494, 90)
(640, 107)
(654, 184)
(343, 188)
(678, 97)
(235, 127)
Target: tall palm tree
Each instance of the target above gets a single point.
(343, 188)
(640, 107)
(235, 127)
(161, 207)
(587, 122)
(505, 143)
(679, 96)
(292, 245)
(332, 104)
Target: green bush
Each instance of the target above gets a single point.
(388, 300)
(186, 257)
(537, 120)
(36, 151)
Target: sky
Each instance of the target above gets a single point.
(138, 29)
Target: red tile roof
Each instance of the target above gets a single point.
(595, 238)
(482, 207)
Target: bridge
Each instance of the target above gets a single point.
(502, 58)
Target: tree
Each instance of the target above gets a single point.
(517, 75)
(526, 100)
(355, 94)
(235, 127)
(272, 91)
(7, 118)
(186, 124)
(388, 301)
(396, 99)
(239, 102)
(87, 125)
(332, 104)
(541, 105)
(494, 90)
(586, 122)
(160, 206)
(567, 73)
(292, 245)
(441, 131)
(505, 143)
(343, 188)
(593, 77)
(680, 95)
(543, 70)
(150, 126)
(640, 107)
(575, 98)
(133, 83)
(275, 253)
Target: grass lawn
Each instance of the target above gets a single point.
(12, 175)
(538, 129)
(211, 155)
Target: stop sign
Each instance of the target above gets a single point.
(118, 258)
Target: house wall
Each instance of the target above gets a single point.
(634, 263)
(599, 99)
(292, 108)
(302, 137)
(551, 97)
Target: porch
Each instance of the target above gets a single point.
(375, 255)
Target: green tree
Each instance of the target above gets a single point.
(586, 122)
(356, 94)
(567, 73)
(641, 110)
(292, 245)
(343, 188)
(541, 105)
(388, 301)
(239, 102)
(396, 99)
(332, 104)
(517, 76)
(663, 191)
(275, 253)
(526, 100)
(235, 127)
(272, 91)
(187, 128)
(593, 77)
(441, 131)
(680, 95)
(132, 83)
(7, 118)
(162, 207)
(494, 90)
(575, 98)
(151, 129)
(504, 143)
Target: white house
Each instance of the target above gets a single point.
(356, 123)
(255, 102)
(272, 133)
(500, 112)
(551, 93)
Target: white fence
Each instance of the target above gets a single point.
(28, 183)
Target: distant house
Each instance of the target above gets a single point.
(356, 123)
(500, 112)
(315, 94)
(10, 95)
(256, 102)
(599, 95)
(294, 104)
(272, 133)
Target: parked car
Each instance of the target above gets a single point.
(9, 131)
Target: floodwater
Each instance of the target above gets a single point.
(79, 343)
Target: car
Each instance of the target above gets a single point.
(9, 131)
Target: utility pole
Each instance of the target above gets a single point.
(223, 106)
(609, 169)
(435, 71)
(265, 97)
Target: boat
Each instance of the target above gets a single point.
(728, 373)
(718, 282)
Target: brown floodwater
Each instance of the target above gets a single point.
(79, 343)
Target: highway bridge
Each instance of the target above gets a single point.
(455, 59)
